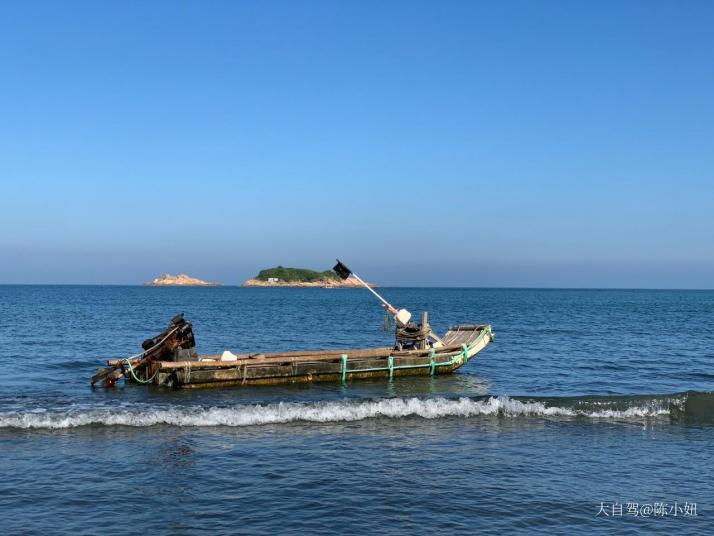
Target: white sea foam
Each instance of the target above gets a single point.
(320, 412)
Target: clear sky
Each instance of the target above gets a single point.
(469, 143)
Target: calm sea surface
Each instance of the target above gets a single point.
(586, 403)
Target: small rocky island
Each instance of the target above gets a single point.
(300, 277)
(181, 280)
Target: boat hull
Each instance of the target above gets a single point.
(460, 344)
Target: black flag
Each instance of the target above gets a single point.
(342, 270)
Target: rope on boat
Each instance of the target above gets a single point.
(142, 354)
(136, 378)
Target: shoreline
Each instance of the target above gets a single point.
(323, 283)
(180, 280)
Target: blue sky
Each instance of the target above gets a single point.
(425, 143)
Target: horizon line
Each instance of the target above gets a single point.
(351, 288)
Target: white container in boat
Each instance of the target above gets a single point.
(403, 316)
(228, 356)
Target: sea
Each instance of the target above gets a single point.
(592, 412)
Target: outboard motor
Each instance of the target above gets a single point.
(175, 343)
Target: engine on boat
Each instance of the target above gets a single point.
(175, 343)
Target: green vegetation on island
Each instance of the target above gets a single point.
(295, 275)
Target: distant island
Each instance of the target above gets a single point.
(181, 280)
(300, 277)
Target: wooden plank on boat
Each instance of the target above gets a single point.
(380, 352)
(320, 354)
(463, 334)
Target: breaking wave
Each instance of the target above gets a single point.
(689, 405)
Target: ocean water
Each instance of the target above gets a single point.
(591, 412)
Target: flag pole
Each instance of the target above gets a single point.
(388, 305)
(344, 272)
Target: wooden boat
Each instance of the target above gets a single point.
(171, 364)
(170, 358)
